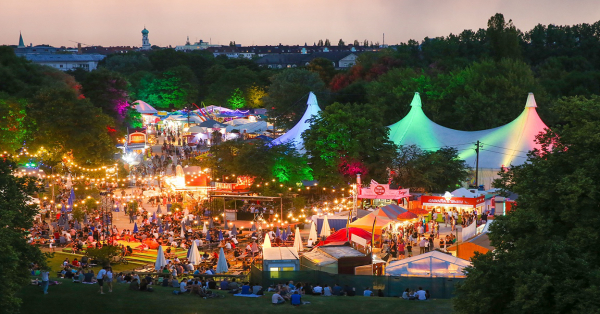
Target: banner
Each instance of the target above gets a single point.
(427, 200)
(382, 191)
(469, 231)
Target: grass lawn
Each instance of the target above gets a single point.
(79, 298)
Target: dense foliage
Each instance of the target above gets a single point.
(16, 217)
(544, 261)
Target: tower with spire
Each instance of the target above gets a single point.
(21, 42)
(145, 41)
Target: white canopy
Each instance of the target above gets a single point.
(195, 254)
(279, 253)
(160, 259)
(222, 263)
(143, 107)
(431, 264)
(502, 146)
(295, 134)
(325, 229)
(267, 243)
(312, 234)
(298, 241)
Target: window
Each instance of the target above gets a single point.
(61, 65)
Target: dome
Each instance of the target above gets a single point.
(145, 31)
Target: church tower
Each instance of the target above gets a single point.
(145, 41)
(21, 43)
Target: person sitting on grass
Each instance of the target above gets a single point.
(367, 292)
(421, 294)
(183, 286)
(327, 291)
(296, 299)
(224, 285)
(317, 290)
(233, 286)
(405, 294)
(143, 285)
(88, 277)
(134, 285)
(276, 299)
(174, 282)
(257, 289)
(246, 288)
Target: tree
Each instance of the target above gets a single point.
(356, 43)
(323, 67)
(503, 38)
(174, 88)
(320, 44)
(341, 43)
(346, 139)
(542, 262)
(56, 118)
(429, 171)
(255, 96)
(287, 95)
(13, 130)
(327, 43)
(16, 220)
(236, 101)
(366, 43)
(108, 91)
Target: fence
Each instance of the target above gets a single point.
(392, 286)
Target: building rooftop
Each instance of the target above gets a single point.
(63, 57)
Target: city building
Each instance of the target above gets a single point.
(339, 59)
(200, 45)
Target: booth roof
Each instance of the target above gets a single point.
(366, 222)
(340, 236)
(279, 253)
(294, 135)
(338, 252)
(434, 261)
(318, 258)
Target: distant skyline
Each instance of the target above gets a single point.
(269, 22)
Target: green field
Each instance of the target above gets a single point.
(79, 298)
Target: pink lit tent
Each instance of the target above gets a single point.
(502, 146)
(143, 107)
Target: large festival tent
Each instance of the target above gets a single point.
(502, 146)
(295, 134)
(430, 264)
(366, 222)
(144, 108)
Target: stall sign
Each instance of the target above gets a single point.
(137, 138)
(441, 200)
(382, 191)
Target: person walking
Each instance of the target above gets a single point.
(109, 279)
(100, 278)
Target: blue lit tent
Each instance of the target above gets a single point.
(295, 134)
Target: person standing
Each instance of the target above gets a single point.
(109, 279)
(45, 280)
(100, 278)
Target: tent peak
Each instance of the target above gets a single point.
(416, 102)
(530, 101)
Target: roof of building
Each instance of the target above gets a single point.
(338, 252)
(279, 253)
(63, 57)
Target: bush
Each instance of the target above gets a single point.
(104, 255)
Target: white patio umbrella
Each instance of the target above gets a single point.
(325, 229)
(312, 234)
(160, 259)
(195, 254)
(222, 263)
(182, 232)
(267, 242)
(204, 230)
(298, 240)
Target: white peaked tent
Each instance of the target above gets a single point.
(160, 259)
(295, 134)
(325, 229)
(222, 263)
(502, 146)
(195, 254)
(204, 230)
(143, 107)
(267, 242)
(312, 234)
(431, 264)
(298, 241)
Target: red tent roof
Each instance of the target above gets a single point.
(340, 236)
(407, 215)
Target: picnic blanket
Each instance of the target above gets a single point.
(247, 295)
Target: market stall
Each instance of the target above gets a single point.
(335, 259)
(431, 264)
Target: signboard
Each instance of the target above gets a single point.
(452, 201)
(137, 138)
(382, 191)
(358, 240)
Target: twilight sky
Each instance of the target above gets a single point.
(262, 22)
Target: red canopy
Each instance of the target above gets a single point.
(419, 211)
(406, 216)
(340, 236)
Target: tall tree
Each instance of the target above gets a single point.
(327, 43)
(356, 43)
(286, 101)
(542, 262)
(237, 100)
(108, 91)
(16, 220)
(341, 43)
(347, 139)
(503, 37)
(174, 88)
(323, 67)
